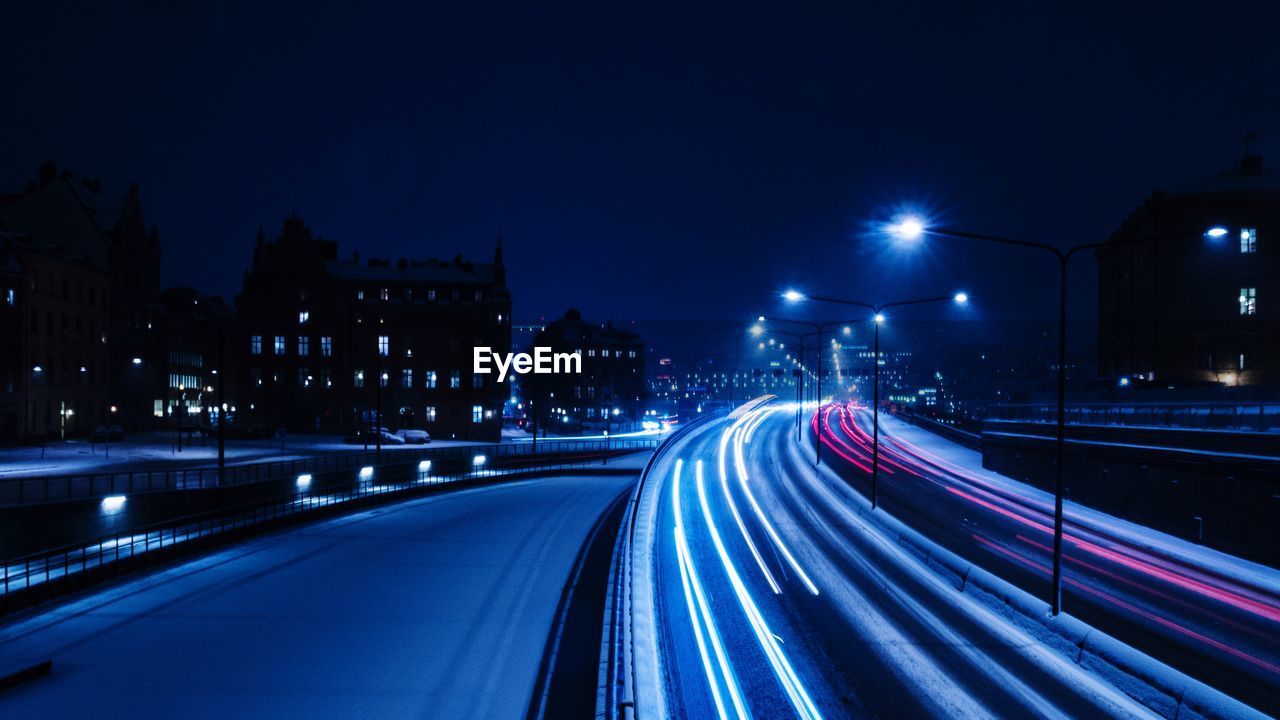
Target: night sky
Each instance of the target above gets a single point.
(656, 163)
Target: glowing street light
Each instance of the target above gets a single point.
(962, 298)
(793, 296)
(909, 228)
(1216, 232)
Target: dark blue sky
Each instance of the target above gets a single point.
(649, 163)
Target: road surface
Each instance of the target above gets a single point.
(1211, 615)
(777, 597)
(434, 608)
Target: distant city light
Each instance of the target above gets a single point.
(1124, 382)
(304, 481)
(137, 361)
(847, 330)
(793, 296)
(37, 369)
(757, 330)
(112, 504)
(962, 298)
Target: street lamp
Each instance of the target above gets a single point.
(819, 327)
(878, 317)
(913, 228)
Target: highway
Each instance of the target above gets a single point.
(1211, 615)
(438, 607)
(776, 596)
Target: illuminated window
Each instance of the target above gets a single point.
(431, 413)
(477, 381)
(326, 380)
(255, 345)
(303, 317)
(591, 352)
(384, 380)
(279, 344)
(326, 347)
(431, 379)
(359, 378)
(1248, 301)
(406, 377)
(384, 294)
(477, 413)
(1248, 240)
(304, 345)
(256, 375)
(455, 379)
(304, 377)
(631, 354)
(431, 296)
(384, 345)
(10, 296)
(479, 295)
(360, 294)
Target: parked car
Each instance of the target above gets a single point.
(414, 437)
(107, 433)
(370, 436)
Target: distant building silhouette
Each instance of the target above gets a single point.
(612, 375)
(1199, 311)
(319, 339)
(89, 272)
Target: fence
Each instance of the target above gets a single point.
(56, 488)
(51, 573)
(1258, 417)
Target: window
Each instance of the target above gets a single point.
(591, 391)
(326, 380)
(279, 344)
(431, 379)
(577, 392)
(591, 352)
(1248, 240)
(631, 354)
(454, 296)
(431, 413)
(431, 295)
(304, 377)
(255, 374)
(479, 295)
(1241, 366)
(326, 347)
(1248, 301)
(477, 381)
(360, 294)
(10, 296)
(255, 345)
(384, 345)
(477, 413)
(384, 294)
(384, 380)
(303, 317)
(455, 379)
(304, 345)
(408, 294)
(406, 378)
(359, 378)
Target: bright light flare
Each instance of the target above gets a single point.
(793, 296)
(424, 466)
(112, 504)
(479, 460)
(879, 318)
(303, 482)
(909, 228)
(1216, 232)
(962, 298)
(366, 472)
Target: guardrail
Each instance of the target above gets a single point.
(35, 578)
(59, 488)
(616, 697)
(1256, 416)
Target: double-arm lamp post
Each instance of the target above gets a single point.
(758, 330)
(912, 229)
(877, 317)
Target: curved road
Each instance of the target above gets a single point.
(777, 598)
(1211, 615)
(438, 607)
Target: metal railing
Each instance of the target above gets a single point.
(50, 573)
(60, 488)
(1255, 416)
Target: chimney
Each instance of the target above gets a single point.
(1251, 165)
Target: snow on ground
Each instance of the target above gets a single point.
(437, 607)
(958, 457)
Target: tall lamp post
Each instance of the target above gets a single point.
(911, 229)
(758, 329)
(877, 318)
(819, 328)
